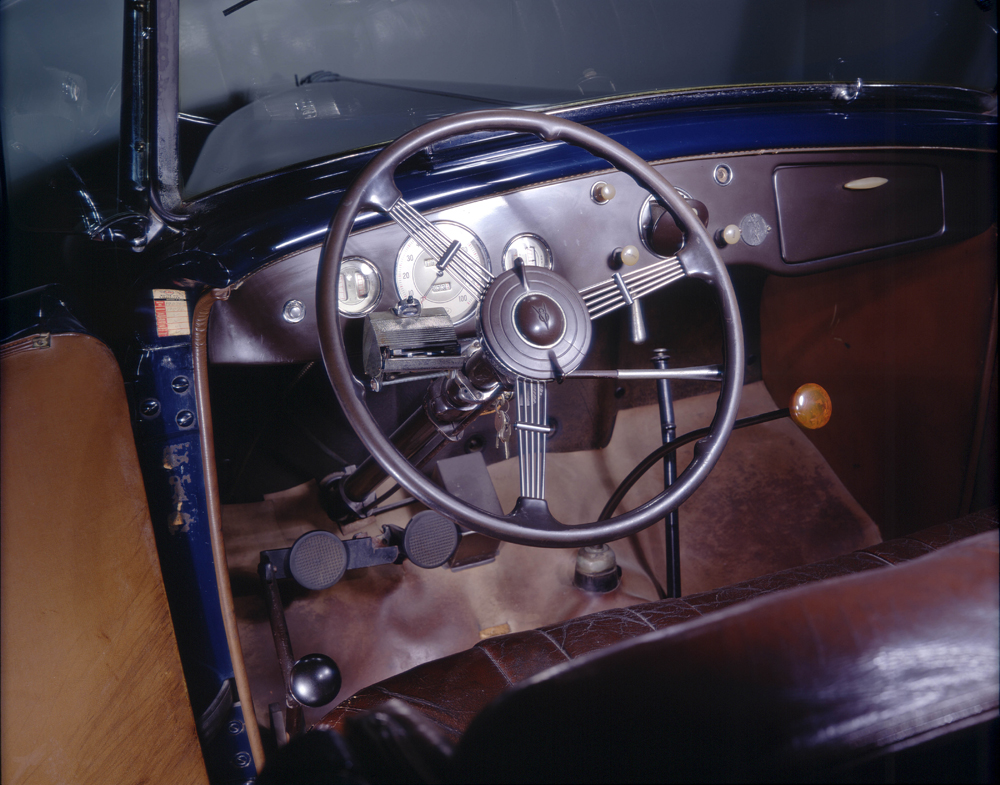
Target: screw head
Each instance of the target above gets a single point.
(149, 408)
(180, 384)
(185, 418)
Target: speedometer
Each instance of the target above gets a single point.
(417, 273)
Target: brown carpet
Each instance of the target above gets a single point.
(771, 503)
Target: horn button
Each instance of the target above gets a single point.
(538, 328)
(539, 320)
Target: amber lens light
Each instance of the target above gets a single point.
(810, 406)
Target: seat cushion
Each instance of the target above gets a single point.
(452, 690)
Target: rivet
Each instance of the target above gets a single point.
(723, 174)
(293, 312)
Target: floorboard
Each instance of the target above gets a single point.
(772, 502)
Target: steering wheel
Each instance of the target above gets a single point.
(534, 327)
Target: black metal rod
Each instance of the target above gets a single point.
(669, 432)
(294, 717)
(654, 457)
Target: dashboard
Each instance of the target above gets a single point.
(787, 212)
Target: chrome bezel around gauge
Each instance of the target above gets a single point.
(456, 308)
(508, 264)
(644, 221)
(352, 305)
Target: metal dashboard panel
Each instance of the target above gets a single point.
(583, 235)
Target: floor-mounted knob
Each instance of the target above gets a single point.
(597, 569)
(315, 680)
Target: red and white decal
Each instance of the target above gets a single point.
(170, 307)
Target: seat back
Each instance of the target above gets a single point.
(91, 685)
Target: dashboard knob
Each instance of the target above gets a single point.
(810, 406)
(628, 256)
(602, 192)
(728, 236)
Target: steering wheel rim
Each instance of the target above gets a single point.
(529, 523)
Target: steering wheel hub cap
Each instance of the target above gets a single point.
(538, 327)
(539, 320)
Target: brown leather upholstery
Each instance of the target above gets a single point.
(451, 691)
(807, 682)
(92, 687)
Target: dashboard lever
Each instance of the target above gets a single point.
(522, 273)
(707, 373)
(637, 323)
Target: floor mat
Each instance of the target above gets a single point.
(771, 502)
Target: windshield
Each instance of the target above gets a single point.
(265, 84)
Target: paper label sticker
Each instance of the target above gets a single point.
(170, 307)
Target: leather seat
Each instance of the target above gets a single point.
(451, 691)
(810, 683)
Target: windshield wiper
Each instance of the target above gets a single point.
(329, 76)
(236, 7)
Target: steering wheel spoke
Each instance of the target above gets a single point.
(532, 431)
(452, 256)
(620, 290)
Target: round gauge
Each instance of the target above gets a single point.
(359, 287)
(531, 248)
(417, 273)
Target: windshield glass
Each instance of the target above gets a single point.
(265, 84)
(60, 102)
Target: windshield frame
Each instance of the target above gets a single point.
(169, 203)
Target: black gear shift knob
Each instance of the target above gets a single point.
(315, 680)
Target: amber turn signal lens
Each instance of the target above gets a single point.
(810, 406)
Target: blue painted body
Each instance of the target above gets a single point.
(170, 457)
(243, 227)
(291, 210)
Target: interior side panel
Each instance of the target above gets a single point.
(901, 346)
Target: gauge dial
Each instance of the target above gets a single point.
(531, 248)
(359, 287)
(417, 273)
